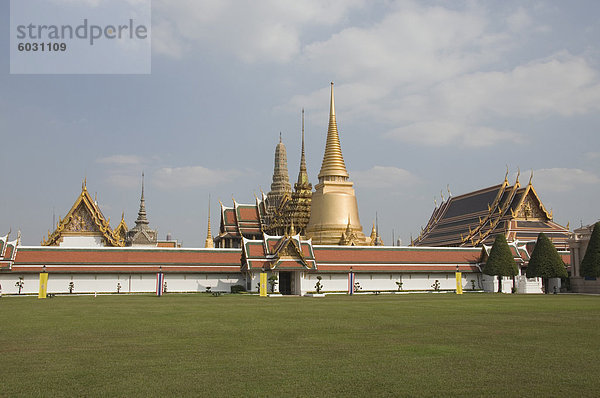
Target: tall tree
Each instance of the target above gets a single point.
(590, 265)
(501, 261)
(545, 262)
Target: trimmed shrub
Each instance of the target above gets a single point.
(501, 261)
(237, 289)
(545, 262)
(590, 265)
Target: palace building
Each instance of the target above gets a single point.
(475, 218)
(294, 234)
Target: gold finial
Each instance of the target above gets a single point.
(506, 175)
(123, 215)
(84, 184)
(530, 177)
(435, 201)
(518, 174)
(568, 222)
(333, 162)
(449, 193)
(209, 243)
(292, 229)
(442, 195)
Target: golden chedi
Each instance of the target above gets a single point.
(334, 210)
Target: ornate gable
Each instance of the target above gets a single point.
(531, 207)
(278, 252)
(121, 231)
(84, 218)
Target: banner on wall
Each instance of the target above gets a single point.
(459, 288)
(263, 284)
(43, 285)
(160, 277)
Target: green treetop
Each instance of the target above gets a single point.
(501, 261)
(590, 265)
(545, 262)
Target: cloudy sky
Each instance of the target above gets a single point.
(428, 95)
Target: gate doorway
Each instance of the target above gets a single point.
(285, 282)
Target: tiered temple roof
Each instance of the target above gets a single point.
(84, 219)
(240, 221)
(475, 218)
(8, 250)
(278, 252)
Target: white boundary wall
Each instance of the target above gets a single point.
(372, 282)
(130, 283)
(222, 282)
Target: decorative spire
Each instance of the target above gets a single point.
(281, 180)
(142, 219)
(208, 243)
(303, 174)
(373, 236)
(333, 162)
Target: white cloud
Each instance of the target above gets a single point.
(562, 179)
(440, 133)
(592, 155)
(384, 177)
(410, 46)
(560, 84)
(192, 176)
(121, 160)
(519, 20)
(124, 180)
(261, 31)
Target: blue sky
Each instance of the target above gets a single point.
(428, 94)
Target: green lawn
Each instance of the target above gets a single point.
(239, 345)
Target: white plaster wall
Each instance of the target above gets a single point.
(330, 282)
(81, 241)
(490, 283)
(199, 282)
(387, 281)
(138, 283)
(31, 283)
(107, 283)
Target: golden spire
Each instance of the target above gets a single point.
(208, 243)
(333, 161)
(302, 174)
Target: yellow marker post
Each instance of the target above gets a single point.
(459, 287)
(43, 285)
(263, 284)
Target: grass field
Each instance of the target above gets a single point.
(238, 345)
